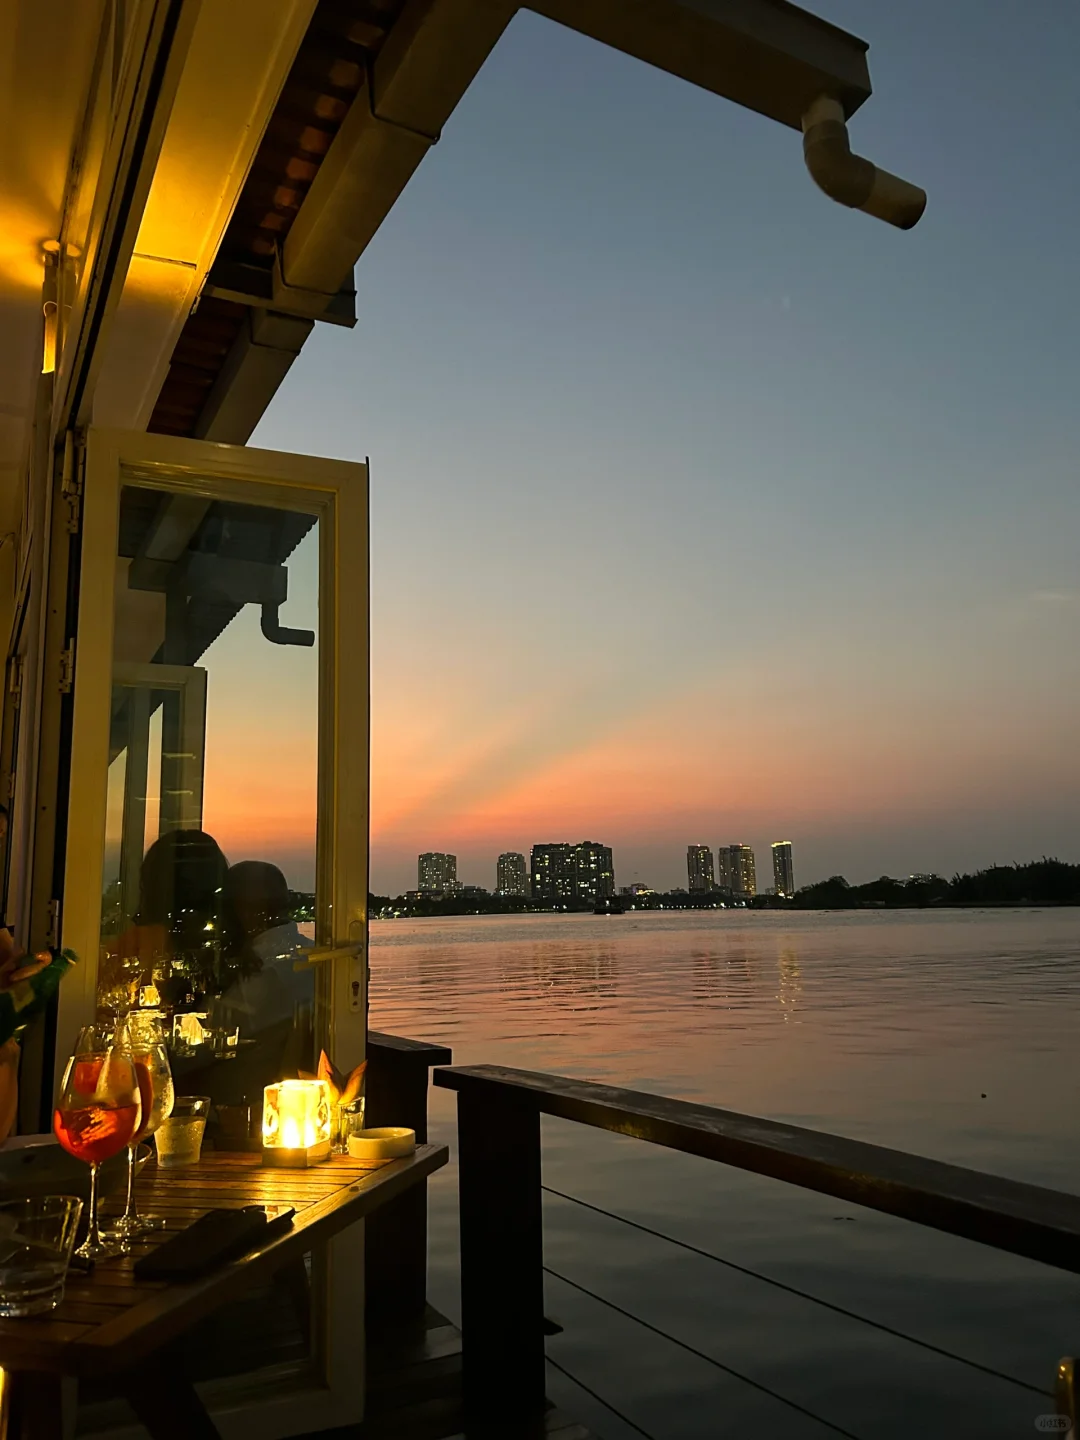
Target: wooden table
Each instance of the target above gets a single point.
(110, 1322)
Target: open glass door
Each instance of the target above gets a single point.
(217, 832)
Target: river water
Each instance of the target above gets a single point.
(950, 1034)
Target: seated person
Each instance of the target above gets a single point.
(266, 947)
(174, 937)
(267, 987)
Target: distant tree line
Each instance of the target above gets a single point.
(420, 905)
(1041, 882)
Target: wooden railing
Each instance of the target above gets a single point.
(502, 1291)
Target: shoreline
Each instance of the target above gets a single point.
(872, 908)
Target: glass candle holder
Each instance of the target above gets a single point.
(297, 1123)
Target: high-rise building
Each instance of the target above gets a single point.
(699, 869)
(563, 873)
(594, 871)
(436, 872)
(512, 878)
(782, 868)
(552, 873)
(736, 865)
(723, 868)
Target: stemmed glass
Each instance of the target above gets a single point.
(141, 1034)
(98, 1113)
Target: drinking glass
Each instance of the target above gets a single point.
(352, 1122)
(36, 1236)
(98, 1113)
(142, 1033)
(179, 1139)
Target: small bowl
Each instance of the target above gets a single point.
(389, 1143)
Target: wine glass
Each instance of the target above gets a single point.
(98, 1113)
(142, 1034)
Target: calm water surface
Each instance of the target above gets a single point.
(950, 1034)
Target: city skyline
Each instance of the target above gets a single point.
(566, 862)
(561, 871)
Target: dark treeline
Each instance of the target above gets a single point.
(1041, 882)
(449, 905)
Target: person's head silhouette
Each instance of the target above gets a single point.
(257, 893)
(181, 881)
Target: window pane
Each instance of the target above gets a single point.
(210, 850)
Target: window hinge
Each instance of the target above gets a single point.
(52, 934)
(67, 669)
(15, 672)
(72, 479)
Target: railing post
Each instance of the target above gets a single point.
(502, 1255)
(396, 1237)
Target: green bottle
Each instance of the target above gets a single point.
(28, 998)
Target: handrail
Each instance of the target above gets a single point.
(425, 1050)
(1027, 1220)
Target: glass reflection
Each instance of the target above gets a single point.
(210, 843)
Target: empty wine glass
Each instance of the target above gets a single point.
(142, 1034)
(98, 1113)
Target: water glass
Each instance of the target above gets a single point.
(179, 1137)
(352, 1122)
(36, 1238)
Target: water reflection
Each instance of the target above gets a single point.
(574, 979)
(890, 1028)
(723, 979)
(790, 982)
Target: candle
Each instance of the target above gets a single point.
(296, 1122)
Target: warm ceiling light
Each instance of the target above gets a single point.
(51, 249)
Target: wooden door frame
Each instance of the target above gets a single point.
(336, 492)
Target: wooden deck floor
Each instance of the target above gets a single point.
(414, 1393)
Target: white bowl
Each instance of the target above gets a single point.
(389, 1143)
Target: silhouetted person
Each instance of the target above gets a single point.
(175, 937)
(259, 910)
(270, 991)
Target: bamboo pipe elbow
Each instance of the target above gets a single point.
(849, 179)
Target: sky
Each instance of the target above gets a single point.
(706, 510)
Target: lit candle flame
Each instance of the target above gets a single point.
(296, 1115)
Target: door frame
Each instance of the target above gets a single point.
(335, 491)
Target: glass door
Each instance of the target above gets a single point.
(217, 831)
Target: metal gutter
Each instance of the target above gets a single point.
(767, 55)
